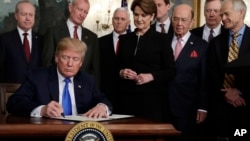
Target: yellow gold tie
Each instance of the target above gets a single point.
(232, 55)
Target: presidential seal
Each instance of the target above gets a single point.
(89, 131)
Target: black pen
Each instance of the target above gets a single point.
(62, 114)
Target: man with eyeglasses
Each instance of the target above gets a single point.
(42, 93)
(187, 94)
(213, 26)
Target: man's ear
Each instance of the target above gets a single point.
(56, 58)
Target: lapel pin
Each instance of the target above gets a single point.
(79, 86)
(191, 43)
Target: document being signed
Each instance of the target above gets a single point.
(84, 118)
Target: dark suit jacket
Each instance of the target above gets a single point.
(41, 87)
(220, 108)
(199, 31)
(187, 91)
(14, 65)
(109, 68)
(152, 56)
(217, 59)
(55, 34)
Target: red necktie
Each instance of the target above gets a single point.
(75, 32)
(26, 46)
(178, 48)
(117, 47)
(162, 28)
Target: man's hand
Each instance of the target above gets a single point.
(53, 109)
(201, 116)
(233, 97)
(99, 111)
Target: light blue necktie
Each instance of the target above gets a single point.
(66, 100)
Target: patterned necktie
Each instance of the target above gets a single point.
(26, 46)
(162, 28)
(178, 48)
(232, 55)
(75, 32)
(210, 37)
(66, 100)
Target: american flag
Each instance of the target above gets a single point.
(124, 3)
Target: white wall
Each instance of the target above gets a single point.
(99, 10)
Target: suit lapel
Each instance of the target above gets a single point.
(244, 48)
(18, 44)
(78, 88)
(84, 37)
(185, 53)
(53, 84)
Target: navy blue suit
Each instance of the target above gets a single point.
(187, 91)
(41, 87)
(14, 65)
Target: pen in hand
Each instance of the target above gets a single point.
(62, 114)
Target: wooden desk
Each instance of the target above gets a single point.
(40, 129)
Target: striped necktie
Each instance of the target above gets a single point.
(232, 55)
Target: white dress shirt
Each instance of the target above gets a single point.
(166, 25)
(71, 28)
(206, 32)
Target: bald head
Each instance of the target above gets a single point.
(184, 8)
(182, 19)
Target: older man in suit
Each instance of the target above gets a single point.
(229, 92)
(187, 93)
(16, 58)
(78, 10)
(212, 27)
(109, 46)
(62, 88)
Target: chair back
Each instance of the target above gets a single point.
(6, 89)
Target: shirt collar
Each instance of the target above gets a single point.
(216, 30)
(20, 31)
(184, 38)
(166, 22)
(241, 31)
(116, 35)
(71, 24)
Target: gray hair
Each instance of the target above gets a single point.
(239, 5)
(122, 9)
